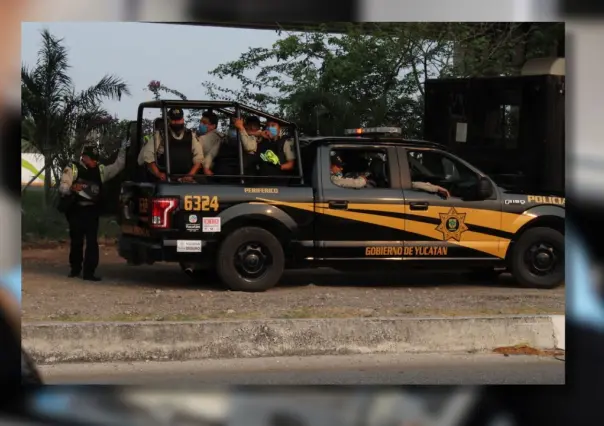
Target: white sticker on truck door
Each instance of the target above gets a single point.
(211, 224)
(188, 246)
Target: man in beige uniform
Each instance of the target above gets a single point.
(81, 189)
(210, 140)
(274, 152)
(186, 152)
(250, 133)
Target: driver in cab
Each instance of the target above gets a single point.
(186, 153)
(338, 178)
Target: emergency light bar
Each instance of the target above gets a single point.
(373, 131)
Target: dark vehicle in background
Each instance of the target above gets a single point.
(249, 228)
(512, 128)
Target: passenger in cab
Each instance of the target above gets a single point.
(275, 153)
(431, 188)
(186, 154)
(209, 139)
(417, 182)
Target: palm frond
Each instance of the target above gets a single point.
(109, 87)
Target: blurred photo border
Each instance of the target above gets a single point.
(585, 37)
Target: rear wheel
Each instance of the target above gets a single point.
(250, 259)
(538, 258)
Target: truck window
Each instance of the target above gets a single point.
(440, 169)
(359, 168)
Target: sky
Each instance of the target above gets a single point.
(179, 56)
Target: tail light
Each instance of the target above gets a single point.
(161, 212)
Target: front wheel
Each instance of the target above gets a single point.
(250, 259)
(538, 259)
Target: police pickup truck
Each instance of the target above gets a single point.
(250, 228)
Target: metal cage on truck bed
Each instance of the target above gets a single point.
(229, 108)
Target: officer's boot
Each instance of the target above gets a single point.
(89, 276)
(74, 273)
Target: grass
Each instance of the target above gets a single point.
(40, 223)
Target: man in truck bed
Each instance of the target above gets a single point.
(187, 154)
(250, 230)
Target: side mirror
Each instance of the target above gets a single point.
(484, 188)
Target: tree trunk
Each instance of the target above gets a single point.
(47, 178)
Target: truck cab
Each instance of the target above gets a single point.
(250, 228)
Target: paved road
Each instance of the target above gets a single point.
(444, 369)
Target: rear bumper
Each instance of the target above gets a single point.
(140, 251)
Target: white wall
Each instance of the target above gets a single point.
(31, 164)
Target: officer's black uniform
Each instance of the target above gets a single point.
(227, 160)
(82, 210)
(181, 156)
(83, 219)
(269, 157)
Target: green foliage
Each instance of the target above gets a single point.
(373, 74)
(56, 118)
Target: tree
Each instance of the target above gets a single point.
(374, 74)
(57, 117)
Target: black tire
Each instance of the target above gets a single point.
(520, 267)
(230, 273)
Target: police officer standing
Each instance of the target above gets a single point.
(186, 154)
(81, 190)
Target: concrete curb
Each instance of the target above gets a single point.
(136, 341)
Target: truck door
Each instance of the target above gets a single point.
(459, 227)
(364, 223)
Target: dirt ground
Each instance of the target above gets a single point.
(162, 292)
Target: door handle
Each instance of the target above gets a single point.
(341, 205)
(419, 206)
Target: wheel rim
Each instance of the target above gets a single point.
(252, 260)
(543, 259)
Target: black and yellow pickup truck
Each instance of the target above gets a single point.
(250, 229)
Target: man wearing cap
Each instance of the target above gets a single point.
(80, 189)
(337, 176)
(186, 153)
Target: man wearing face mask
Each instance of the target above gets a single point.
(186, 153)
(209, 139)
(81, 189)
(275, 154)
(338, 178)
